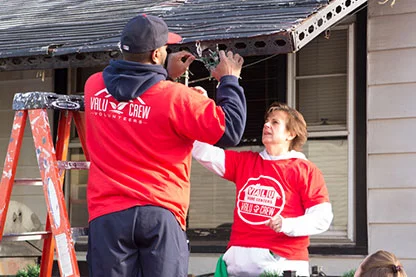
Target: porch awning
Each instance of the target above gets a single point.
(251, 27)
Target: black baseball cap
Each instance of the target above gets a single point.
(146, 33)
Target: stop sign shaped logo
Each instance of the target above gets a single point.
(260, 199)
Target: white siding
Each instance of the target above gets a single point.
(391, 116)
(392, 101)
(392, 211)
(391, 66)
(397, 238)
(398, 171)
(391, 36)
(406, 6)
(392, 135)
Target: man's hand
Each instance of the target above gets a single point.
(176, 66)
(230, 64)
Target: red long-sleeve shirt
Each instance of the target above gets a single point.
(140, 150)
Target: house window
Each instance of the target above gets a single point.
(76, 180)
(321, 87)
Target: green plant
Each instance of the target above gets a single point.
(31, 270)
(349, 273)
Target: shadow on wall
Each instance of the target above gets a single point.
(15, 255)
(20, 218)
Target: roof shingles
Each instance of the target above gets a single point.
(29, 28)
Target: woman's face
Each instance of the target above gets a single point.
(358, 272)
(275, 129)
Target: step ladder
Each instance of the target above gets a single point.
(52, 162)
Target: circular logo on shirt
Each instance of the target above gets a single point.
(260, 199)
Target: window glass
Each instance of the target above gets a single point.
(323, 102)
(212, 197)
(76, 180)
(331, 157)
(326, 54)
(78, 191)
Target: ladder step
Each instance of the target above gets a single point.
(47, 100)
(73, 165)
(77, 232)
(28, 182)
(26, 236)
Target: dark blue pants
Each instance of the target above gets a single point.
(143, 241)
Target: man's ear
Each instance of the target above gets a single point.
(155, 56)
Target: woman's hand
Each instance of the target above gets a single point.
(275, 223)
(200, 90)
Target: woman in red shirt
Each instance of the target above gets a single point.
(281, 198)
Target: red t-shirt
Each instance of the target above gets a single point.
(265, 188)
(140, 150)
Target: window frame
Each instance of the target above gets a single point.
(349, 133)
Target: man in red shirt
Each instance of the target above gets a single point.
(140, 133)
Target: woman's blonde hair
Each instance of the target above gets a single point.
(295, 124)
(382, 264)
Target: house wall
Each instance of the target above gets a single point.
(391, 113)
(391, 132)
(12, 82)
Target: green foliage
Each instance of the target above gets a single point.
(31, 270)
(349, 273)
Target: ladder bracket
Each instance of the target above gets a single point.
(73, 165)
(47, 100)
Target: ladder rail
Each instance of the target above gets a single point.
(52, 161)
(10, 165)
(55, 201)
(62, 144)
